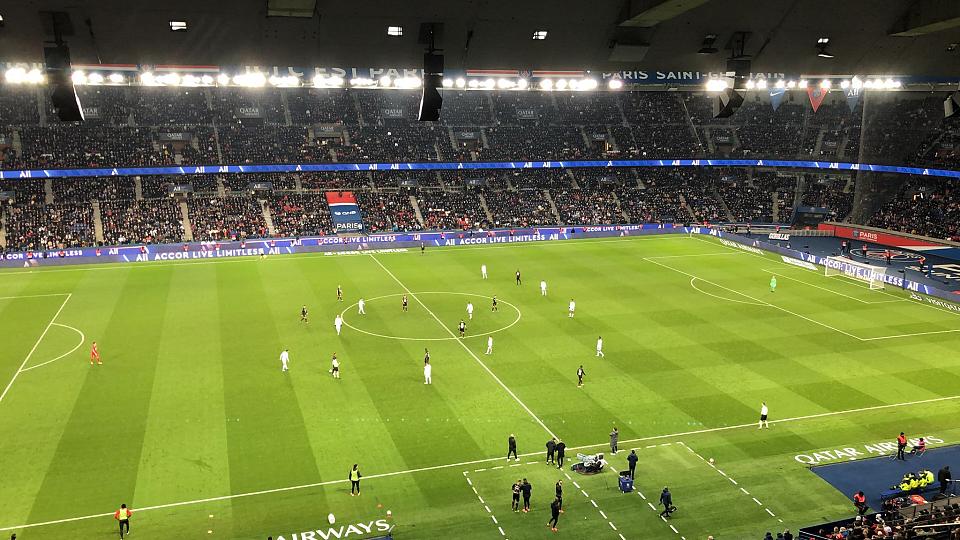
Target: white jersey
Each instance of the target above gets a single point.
(483, 269)
(360, 304)
(600, 344)
(573, 305)
(338, 322)
(284, 357)
(763, 410)
(490, 341)
(470, 308)
(427, 369)
(335, 363)
(543, 285)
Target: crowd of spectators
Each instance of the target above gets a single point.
(450, 210)
(309, 106)
(587, 207)
(527, 208)
(226, 218)
(387, 211)
(297, 215)
(131, 124)
(33, 225)
(149, 221)
(924, 207)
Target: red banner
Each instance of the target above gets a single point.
(816, 95)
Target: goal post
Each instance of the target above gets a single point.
(874, 276)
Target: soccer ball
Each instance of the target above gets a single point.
(331, 518)
(711, 461)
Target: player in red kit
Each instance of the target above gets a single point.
(94, 354)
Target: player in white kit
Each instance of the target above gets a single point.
(483, 271)
(543, 288)
(427, 371)
(335, 366)
(600, 347)
(338, 322)
(285, 360)
(572, 308)
(360, 306)
(470, 310)
(489, 345)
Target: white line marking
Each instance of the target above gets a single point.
(854, 298)
(718, 297)
(584, 493)
(732, 480)
(462, 344)
(758, 502)
(601, 511)
(497, 467)
(501, 531)
(717, 254)
(481, 499)
(35, 345)
(487, 508)
(911, 335)
(721, 472)
(594, 503)
(612, 526)
(642, 496)
(494, 518)
(745, 492)
(652, 507)
(485, 460)
(769, 512)
(83, 338)
(34, 296)
(621, 536)
(768, 304)
(576, 485)
(350, 308)
(674, 529)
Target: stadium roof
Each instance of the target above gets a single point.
(665, 35)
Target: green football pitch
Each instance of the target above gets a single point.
(192, 423)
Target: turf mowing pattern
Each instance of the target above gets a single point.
(191, 423)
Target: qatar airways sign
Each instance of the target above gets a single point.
(355, 530)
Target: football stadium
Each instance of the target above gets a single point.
(304, 270)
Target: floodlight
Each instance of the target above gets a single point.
(386, 80)
(78, 77)
(223, 79)
(95, 78)
(546, 84)
(115, 78)
(826, 84)
(448, 83)
(587, 84)
(178, 26)
(780, 84)
(503, 84)
(461, 82)
(15, 75)
(522, 84)
(561, 84)
(615, 84)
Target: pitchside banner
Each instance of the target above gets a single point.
(345, 211)
(893, 240)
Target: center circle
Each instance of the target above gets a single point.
(479, 311)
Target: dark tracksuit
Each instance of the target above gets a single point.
(561, 448)
(943, 476)
(525, 490)
(632, 462)
(667, 501)
(554, 513)
(551, 447)
(511, 447)
(560, 494)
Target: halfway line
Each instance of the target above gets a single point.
(483, 365)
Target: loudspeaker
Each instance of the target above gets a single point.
(727, 103)
(64, 96)
(951, 105)
(431, 101)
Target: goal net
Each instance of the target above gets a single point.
(841, 266)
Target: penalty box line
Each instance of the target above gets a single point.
(474, 356)
(36, 344)
(757, 300)
(463, 464)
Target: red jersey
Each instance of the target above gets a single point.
(901, 440)
(94, 353)
(123, 513)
